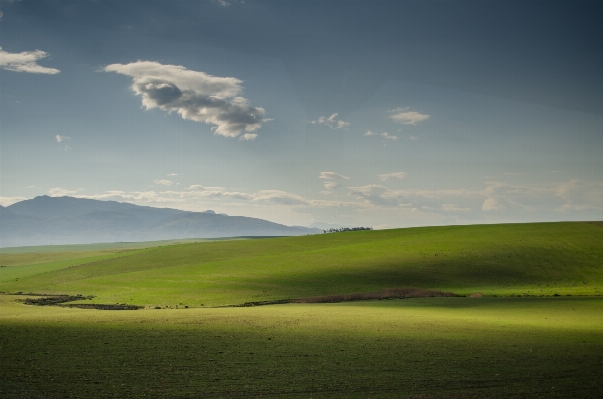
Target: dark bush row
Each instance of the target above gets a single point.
(341, 230)
(389, 293)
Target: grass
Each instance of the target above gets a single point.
(443, 347)
(420, 348)
(521, 259)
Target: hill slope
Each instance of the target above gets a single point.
(532, 259)
(65, 220)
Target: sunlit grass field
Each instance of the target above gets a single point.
(520, 259)
(531, 344)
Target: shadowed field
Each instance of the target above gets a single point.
(426, 348)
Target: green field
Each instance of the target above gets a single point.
(520, 259)
(538, 332)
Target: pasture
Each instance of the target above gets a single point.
(537, 332)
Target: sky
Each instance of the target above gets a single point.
(350, 113)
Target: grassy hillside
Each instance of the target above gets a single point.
(520, 259)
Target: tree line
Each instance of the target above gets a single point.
(342, 229)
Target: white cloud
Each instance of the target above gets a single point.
(173, 174)
(194, 95)
(490, 204)
(395, 175)
(332, 175)
(453, 208)
(331, 185)
(60, 192)
(383, 134)
(407, 117)
(202, 196)
(25, 62)
(67, 148)
(6, 201)
(60, 138)
(248, 136)
(279, 197)
(197, 187)
(378, 195)
(163, 182)
(332, 122)
(580, 195)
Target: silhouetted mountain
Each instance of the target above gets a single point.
(66, 220)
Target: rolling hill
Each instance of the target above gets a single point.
(541, 259)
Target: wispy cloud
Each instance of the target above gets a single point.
(395, 175)
(331, 121)
(172, 174)
(382, 134)
(194, 95)
(453, 208)
(163, 182)
(406, 117)
(25, 61)
(60, 138)
(202, 194)
(6, 201)
(333, 180)
(378, 195)
(60, 192)
(332, 175)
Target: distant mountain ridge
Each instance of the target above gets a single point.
(48, 220)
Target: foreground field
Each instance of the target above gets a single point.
(419, 348)
(521, 259)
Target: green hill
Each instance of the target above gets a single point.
(515, 259)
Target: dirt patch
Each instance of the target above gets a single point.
(53, 300)
(62, 300)
(389, 293)
(100, 306)
(258, 303)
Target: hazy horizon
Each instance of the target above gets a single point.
(382, 113)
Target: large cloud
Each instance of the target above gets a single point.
(194, 95)
(25, 62)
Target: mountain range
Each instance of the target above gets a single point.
(48, 220)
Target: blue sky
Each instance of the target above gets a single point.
(358, 113)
